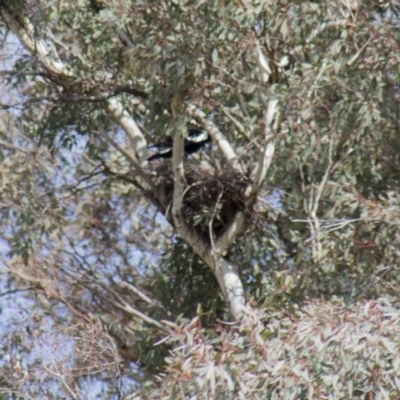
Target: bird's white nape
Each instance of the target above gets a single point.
(197, 136)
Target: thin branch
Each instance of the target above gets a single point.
(313, 208)
(103, 96)
(332, 225)
(119, 302)
(123, 177)
(122, 305)
(139, 293)
(17, 291)
(325, 25)
(354, 58)
(131, 160)
(218, 137)
(238, 125)
(214, 213)
(272, 123)
(61, 377)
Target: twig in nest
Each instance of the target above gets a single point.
(210, 200)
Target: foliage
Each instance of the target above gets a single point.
(89, 251)
(322, 351)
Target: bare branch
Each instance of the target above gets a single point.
(315, 224)
(115, 91)
(139, 293)
(218, 137)
(355, 57)
(122, 305)
(272, 122)
(263, 64)
(179, 180)
(60, 376)
(238, 125)
(131, 160)
(131, 128)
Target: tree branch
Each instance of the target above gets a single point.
(128, 124)
(272, 122)
(124, 306)
(115, 91)
(226, 274)
(143, 296)
(265, 69)
(179, 180)
(25, 31)
(225, 241)
(218, 137)
(188, 234)
(131, 160)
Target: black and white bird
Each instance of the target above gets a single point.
(194, 141)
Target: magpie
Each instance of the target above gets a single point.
(194, 141)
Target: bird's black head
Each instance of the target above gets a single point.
(194, 141)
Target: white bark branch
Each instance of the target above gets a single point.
(225, 241)
(179, 180)
(128, 124)
(234, 290)
(272, 122)
(315, 225)
(263, 64)
(225, 272)
(139, 293)
(217, 136)
(230, 283)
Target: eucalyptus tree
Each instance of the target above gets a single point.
(157, 79)
(296, 198)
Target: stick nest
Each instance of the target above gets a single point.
(211, 197)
